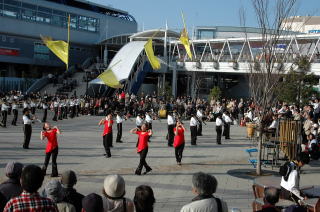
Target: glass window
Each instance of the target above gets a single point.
(45, 10)
(92, 24)
(83, 23)
(59, 21)
(58, 12)
(29, 6)
(12, 2)
(28, 14)
(41, 51)
(73, 21)
(10, 11)
(43, 17)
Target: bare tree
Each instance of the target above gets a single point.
(268, 66)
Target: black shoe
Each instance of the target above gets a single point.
(137, 172)
(119, 141)
(194, 144)
(108, 156)
(147, 171)
(54, 175)
(219, 143)
(170, 145)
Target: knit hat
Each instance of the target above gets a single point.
(92, 203)
(53, 190)
(114, 186)
(69, 178)
(14, 169)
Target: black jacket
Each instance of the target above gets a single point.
(74, 198)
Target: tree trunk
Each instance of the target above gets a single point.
(258, 168)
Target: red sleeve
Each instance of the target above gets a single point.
(174, 130)
(45, 134)
(138, 132)
(55, 130)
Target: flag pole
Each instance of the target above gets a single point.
(68, 39)
(184, 22)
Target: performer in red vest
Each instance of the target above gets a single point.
(107, 134)
(179, 141)
(52, 147)
(142, 147)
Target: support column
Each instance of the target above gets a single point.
(193, 85)
(188, 85)
(163, 82)
(174, 81)
(105, 55)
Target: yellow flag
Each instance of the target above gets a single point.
(154, 61)
(184, 38)
(59, 47)
(110, 79)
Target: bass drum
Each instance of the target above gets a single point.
(163, 114)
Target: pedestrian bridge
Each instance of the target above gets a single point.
(237, 55)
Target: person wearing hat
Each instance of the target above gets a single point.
(139, 120)
(193, 129)
(107, 134)
(92, 203)
(15, 113)
(12, 187)
(68, 181)
(119, 120)
(27, 129)
(219, 124)
(114, 195)
(54, 191)
(171, 123)
(4, 112)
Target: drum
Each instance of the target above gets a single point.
(250, 130)
(162, 113)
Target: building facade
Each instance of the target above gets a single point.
(23, 54)
(303, 24)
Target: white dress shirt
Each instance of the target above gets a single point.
(148, 118)
(170, 120)
(219, 122)
(26, 120)
(199, 114)
(274, 124)
(119, 119)
(193, 122)
(226, 118)
(14, 106)
(4, 107)
(139, 121)
(26, 105)
(292, 184)
(44, 106)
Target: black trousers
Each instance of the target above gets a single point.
(178, 152)
(143, 163)
(55, 117)
(54, 154)
(27, 129)
(33, 110)
(4, 118)
(219, 134)
(285, 194)
(193, 130)
(199, 132)
(170, 134)
(65, 113)
(73, 110)
(226, 131)
(15, 116)
(107, 141)
(45, 114)
(119, 132)
(61, 113)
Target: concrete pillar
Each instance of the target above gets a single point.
(193, 85)
(174, 81)
(188, 84)
(105, 55)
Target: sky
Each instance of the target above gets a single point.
(152, 14)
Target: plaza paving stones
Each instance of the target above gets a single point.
(81, 149)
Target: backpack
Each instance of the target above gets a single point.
(286, 169)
